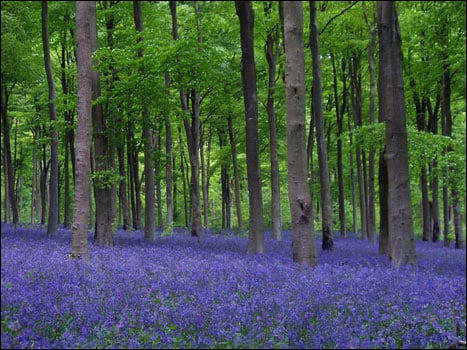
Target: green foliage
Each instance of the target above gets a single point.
(105, 179)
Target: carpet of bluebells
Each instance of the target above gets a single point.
(178, 293)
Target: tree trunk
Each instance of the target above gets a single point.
(168, 159)
(79, 228)
(256, 235)
(272, 49)
(204, 176)
(157, 173)
(301, 207)
(9, 178)
(356, 98)
(238, 199)
(104, 186)
(150, 196)
(53, 186)
(392, 106)
(122, 188)
(371, 161)
(434, 206)
(192, 133)
(326, 208)
(340, 124)
(384, 242)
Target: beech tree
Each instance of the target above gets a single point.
(104, 183)
(326, 208)
(53, 186)
(256, 234)
(392, 108)
(79, 228)
(301, 208)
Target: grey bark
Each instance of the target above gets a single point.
(301, 207)
(326, 208)
(150, 196)
(272, 48)
(392, 106)
(53, 185)
(79, 228)
(256, 221)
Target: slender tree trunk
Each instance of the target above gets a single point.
(256, 235)
(453, 205)
(371, 161)
(9, 183)
(168, 159)
(150, 196)
(340, 120)
(392, 106)
(434, 207)
(192, 132)
(103, 183)
(272, 49)
(204, 178)
(352, 182)
(157, 174)
(79, 228)
(238, 199)
(68, 114)
(301, 207)
(326, 208)
(356, 97)
(122, 188)
(53, 186)
(184, 179)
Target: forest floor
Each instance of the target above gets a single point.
(178, 293)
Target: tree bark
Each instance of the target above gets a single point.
(256, 234)
(104, 185)
(371, 161)
(238, 199)
(340, 122)
(79, 228)
(392, 106)
(272, 49)
(326, 208)
(9, 183)
(150, 196)
(53, 185)
(301, 207)
(168, 159)
(356, 98)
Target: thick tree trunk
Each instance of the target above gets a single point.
(392, 106)
(256, 234)
(53, 186)
(384, 242)
(79, 228)
(326, 208)
(301, 207)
